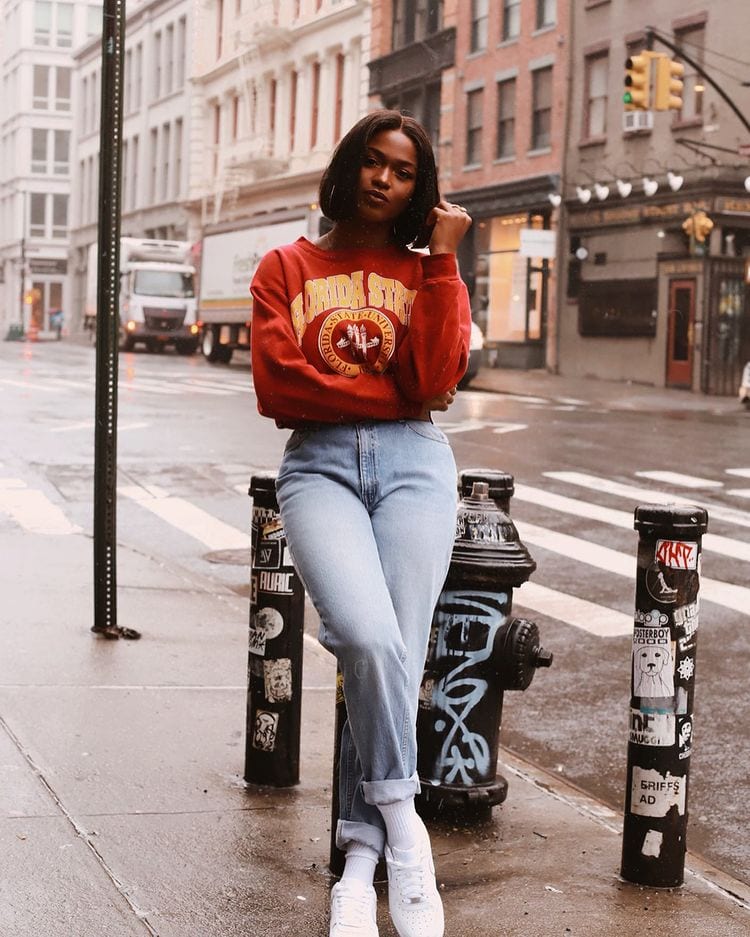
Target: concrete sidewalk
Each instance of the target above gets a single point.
(123, 810)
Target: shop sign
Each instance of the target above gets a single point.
(538, 242)
(42, 265)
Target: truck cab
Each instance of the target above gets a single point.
(157, 295)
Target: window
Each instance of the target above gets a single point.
(38, 150)
(506, 119)
(219, 27)
(61, 152)
(157, 65)
(42, 22)
(595, 113)
(474, 102)
(125, 169)
(541, 115)
(480, 10)
(511, 19)
(177, 178)
(693, 41)
(62, 89)
(414, 20)
(339, 103)
(65, 25)
(315, 105)
(235, 117)
(37, 214)
(128, 76)
(154, 156)
(137, 81)
(59, 216)
(169, 59)
(41, 87)
(180, 53)
(134, 200)
(546, 14)
(423, 103)
(165, 160)
(293, 81)
(216, 136)
(272, 88)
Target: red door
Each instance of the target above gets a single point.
(680, 334)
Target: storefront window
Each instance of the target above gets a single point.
(508, 292)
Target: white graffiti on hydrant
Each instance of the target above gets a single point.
(465, 752)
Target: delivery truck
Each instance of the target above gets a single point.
(157, 295)
(228, 261)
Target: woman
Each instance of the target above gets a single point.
(356, 339)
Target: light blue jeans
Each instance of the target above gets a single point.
(369, 511)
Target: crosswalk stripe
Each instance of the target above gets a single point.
(742, 472)
(739, 492)
(644, 495)
(33, 510)
(587, 616)
(228, 388)
(187, 517)
(727, 546)
(612, 561)
(677, 478)
(28, 385)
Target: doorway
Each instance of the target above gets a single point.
(680, 334)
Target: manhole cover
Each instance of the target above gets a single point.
(229, 557)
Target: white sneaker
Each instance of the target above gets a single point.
(353, 909)
(413, 898)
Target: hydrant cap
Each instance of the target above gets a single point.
(262, 484)
(670, 520)
(501, 486)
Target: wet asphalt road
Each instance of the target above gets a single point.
(190, 434)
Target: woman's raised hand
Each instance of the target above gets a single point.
(440, 402)
(451, 222)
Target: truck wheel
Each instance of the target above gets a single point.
(225, 353)
(210, 346)
(186, 347)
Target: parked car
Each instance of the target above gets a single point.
(745, 386)
(476, 344)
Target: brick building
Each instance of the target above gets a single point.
(488, 80)
(642, 300)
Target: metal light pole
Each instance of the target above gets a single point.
(107, 317)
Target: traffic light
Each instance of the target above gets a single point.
(668, 84)
(637, 94)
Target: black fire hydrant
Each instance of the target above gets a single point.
(476, 652)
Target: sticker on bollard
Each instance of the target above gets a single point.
(662, 689)
(274, 672)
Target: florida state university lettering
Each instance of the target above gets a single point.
(352, 341)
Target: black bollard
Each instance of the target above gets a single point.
(662, 691)
(274, 669)
(337, 857)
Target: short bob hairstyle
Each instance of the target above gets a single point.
(338, 186)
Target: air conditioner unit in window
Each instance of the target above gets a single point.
(637, 120)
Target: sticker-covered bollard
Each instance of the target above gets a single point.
(274, 668)
(662, 687)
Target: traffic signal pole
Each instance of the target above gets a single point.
(107, 326)
(652, 34)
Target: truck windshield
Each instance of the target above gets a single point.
(170, 283)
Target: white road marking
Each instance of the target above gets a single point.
(739, 492)
(572, 400)
(27, 385)
(742, 472)
(727, 546)
(149, 387)
(89, 424)
(33, 510)
(187, 517)
(470, 426)
(612, 561)
(595, 619)
(228, 388)
(677, 478)
(645, 495)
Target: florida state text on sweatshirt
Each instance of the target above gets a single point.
(355, 334)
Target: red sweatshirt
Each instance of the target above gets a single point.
(356, 334)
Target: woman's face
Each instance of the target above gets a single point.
(387, 177)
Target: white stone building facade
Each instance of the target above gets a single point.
(155, 133)
(275, 86)
(36, 154)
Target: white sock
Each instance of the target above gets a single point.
(360, 863)
(402, 823)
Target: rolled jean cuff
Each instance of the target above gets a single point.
(348, 831)
(390, 792)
